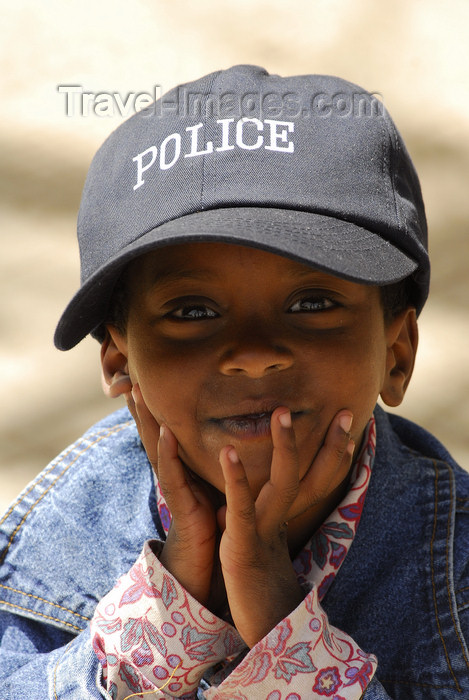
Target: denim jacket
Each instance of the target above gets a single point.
(402, 592)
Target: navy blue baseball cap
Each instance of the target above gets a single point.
(310, 167)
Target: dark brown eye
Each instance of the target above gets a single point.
(193, 312)
(311, 305)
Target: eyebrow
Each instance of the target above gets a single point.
(180, 273)
(163, 277)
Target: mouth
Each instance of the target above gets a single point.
(248, 425)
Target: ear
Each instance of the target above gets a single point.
(402, 341)
(115, 377)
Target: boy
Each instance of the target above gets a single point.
(254, 259)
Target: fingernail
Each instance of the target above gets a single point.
(345, 422)
(285, 419)
(162, 432)
(134, 393)
(351, 447)
(233, 455)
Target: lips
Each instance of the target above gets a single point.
(247, 425)
(255, 424)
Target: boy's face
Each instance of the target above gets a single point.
(219, 335)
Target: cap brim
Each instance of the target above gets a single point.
(333, 245)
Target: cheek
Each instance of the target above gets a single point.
(174, 389)
(163, 384)
(347, 376)
(365, 384)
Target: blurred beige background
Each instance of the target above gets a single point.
(414, 52)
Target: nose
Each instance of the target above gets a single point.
(255, 357)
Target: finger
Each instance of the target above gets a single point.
(278, 494)
(331, 464)
(162, 451)
(240, 515)
(173, 477)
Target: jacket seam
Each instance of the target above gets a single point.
(400, 681)
(23, 520)
(36, 483)
(447, 573)
(435, 602)
(44, 600)
(448, 532)
(47, 617)
(56, 697)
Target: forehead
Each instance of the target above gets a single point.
(215, 261)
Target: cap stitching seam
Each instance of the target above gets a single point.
(385, 165)
(400, 215)
(210, 88)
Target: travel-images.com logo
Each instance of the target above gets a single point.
(184, 102)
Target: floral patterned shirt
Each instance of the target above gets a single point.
(154, 640)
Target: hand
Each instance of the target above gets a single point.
(260, 581)
(188, 552)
